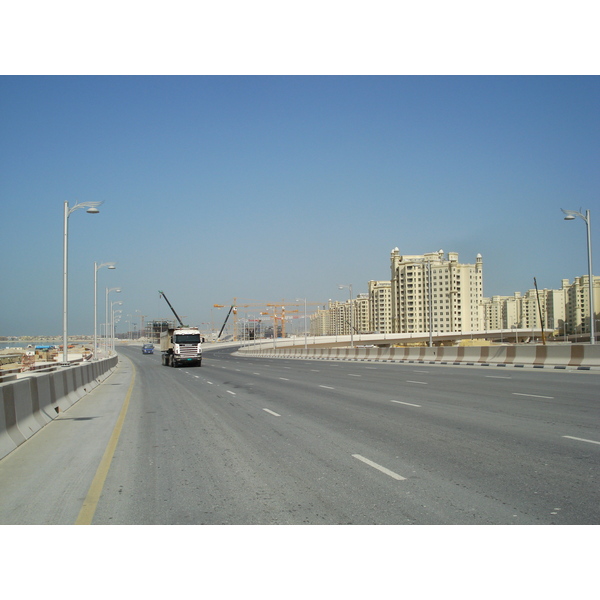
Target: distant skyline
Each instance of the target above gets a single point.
(266, 188)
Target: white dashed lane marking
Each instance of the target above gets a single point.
(379, 467)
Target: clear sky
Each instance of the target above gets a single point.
(266, 188)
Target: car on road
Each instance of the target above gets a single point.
(148, 349)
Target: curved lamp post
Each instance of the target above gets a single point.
(106, 322)
(570, 216)
(349, 286)
(91, 208)
(110, 265)
(305, 332)
(113, 312)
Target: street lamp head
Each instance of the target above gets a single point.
(92, 210)
(571, 214)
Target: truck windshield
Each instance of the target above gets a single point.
(191, 338)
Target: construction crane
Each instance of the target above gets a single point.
(235, 307)
(238, 306)
(280, 317)
(227, 317)
(163, 295)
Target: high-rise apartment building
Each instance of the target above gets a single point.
(361, 313)
(320, 322)
(494, 312)
(566, 310)
(434, 292)
(380, 307)
(556, 308)
(578, 304)
(339, 318)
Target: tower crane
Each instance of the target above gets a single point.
(235, 307)
(280, 317)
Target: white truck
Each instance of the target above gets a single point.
(181, 345)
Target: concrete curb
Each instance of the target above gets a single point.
(30, 403)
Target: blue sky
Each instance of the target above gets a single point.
(266, 188)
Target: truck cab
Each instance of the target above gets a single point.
(182, 345)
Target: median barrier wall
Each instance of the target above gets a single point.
(537, 356)
(27, 404)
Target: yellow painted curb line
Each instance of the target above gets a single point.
(86, 514)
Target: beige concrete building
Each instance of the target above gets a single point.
(577, 309)
(434, 292)
(494, 311)
(380, 306)
(556, 308)
(565, 310)
(320, 322)
(361, 313)
(337, 318)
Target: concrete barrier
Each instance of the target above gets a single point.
(577, 356)
(30, 403)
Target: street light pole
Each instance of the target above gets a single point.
(106, 323)
(430, 302)
(110, 265)
(305, 327)
(112, 322)
(91, 206)
(305, 331)
(570, 216)
(349, 286)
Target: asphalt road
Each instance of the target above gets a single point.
(273, 441)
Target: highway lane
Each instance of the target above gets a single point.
(244, 440)
(275, 441)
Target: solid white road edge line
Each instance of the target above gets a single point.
(533, 396)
